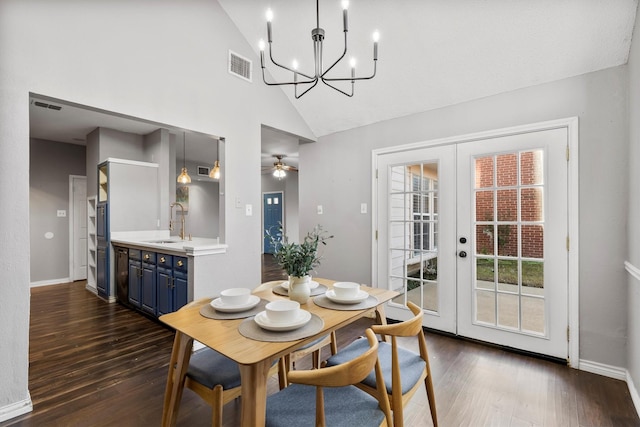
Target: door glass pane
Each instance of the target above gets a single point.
(533, 278)
(509, 241)
(532, 241)
(484, 172)
(531, 167)
(508, 275)
(413, 233)
(507, 169)
(533, 315)
(485, 275)
(486, 307)
(484, 239)
(484, 205)
(531, 202)
(507, 205)
(508, 309)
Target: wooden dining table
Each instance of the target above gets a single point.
(253, 357)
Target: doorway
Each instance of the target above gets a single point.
(77, 227)
(475, 230)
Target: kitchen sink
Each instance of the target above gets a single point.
(163, 241)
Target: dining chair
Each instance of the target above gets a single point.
(327, 396)
(403, 370)
(216, 378)
(314, 348)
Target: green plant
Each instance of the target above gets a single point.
(298, 259)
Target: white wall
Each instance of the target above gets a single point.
(50, 165)
(159, 60)
(599, 100)
(633, 294)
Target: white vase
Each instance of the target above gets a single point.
(299, 288)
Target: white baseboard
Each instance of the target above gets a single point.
(16, 409)
(616, 373)
(602, 369)
(50, 282)
(634, 393)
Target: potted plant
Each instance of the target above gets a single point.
(298, 259)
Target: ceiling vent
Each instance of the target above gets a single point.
(240, 66)
(45, 105)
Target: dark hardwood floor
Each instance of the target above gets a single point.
(99, 364)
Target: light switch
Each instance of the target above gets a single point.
(238, 203)
(319, 209)
(363, 208)
(62, 213)
(248, 210)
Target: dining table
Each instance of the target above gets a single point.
(254, 357)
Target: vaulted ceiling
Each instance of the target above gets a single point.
(434, 53)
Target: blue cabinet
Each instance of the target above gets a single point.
(158, 283)
(172, 283)
(149, 283)
(135, 277)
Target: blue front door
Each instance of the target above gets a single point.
(272, 208)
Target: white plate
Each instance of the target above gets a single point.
(218, 305)
(362, 295)
(263, 321)
(312, 284)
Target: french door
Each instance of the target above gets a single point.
(475, 233)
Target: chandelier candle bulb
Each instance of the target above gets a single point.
(345, 5)
(269, 18)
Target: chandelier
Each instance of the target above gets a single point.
(317, 35)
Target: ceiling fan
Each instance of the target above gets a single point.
(280, 168)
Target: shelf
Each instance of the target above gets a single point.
(91, 242)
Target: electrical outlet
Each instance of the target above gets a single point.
(248, 210)
(319, 209)
(62, 213)
(363, 208)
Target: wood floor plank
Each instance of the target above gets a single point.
(97, 364)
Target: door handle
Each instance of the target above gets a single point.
(462, 254)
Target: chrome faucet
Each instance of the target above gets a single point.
(181, 220)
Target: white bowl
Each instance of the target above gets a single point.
(346, 290)
(282, 311)
(235, 296)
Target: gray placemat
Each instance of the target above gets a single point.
(319, 290)
(250, 329)
(325, 302)
(208, 311)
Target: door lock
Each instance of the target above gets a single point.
(463, 240)
(463, 254)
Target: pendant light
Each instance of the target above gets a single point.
(184, 177)
(215, 172)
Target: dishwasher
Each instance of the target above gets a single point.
(122, 275)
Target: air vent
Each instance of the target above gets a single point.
(49, 106)
(240, 66)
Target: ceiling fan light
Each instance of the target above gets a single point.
(279, 173)
(215, 172)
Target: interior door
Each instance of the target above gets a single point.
(475, 234)
(272, 214)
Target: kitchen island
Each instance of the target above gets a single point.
(164, 272)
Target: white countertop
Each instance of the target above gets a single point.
(160, 240)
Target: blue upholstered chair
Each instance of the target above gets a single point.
(215, 377)
(402, 369)
(326, 396)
